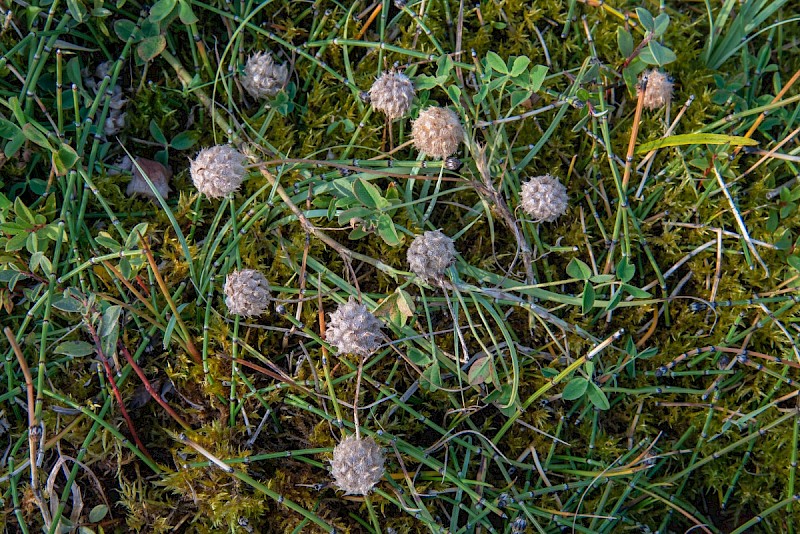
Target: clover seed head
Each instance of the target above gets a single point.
(430, 254)
(353, 329)
(392, 94)
(263, 77)
(357, 465)
(115, 119)
(452, 164)
(218, 170)
(437, 132)
(657, 87)
(246, 292)
(519, 525)
(544, 198)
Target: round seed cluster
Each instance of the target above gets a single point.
(544, 198)
(263, 77)
(353, 329)
(357, 465)
(657, 88)
(246, 292)
(115, 120)
(437, 132)
(430, 254)
(218, 170)
(392, 94)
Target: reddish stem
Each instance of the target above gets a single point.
(115, 389)
(156, 397)
(647, 38)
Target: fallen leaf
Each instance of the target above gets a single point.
(157, 173)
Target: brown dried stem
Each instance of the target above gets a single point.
(763, 115)
(34, 429)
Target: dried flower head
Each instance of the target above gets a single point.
(430, 254)
(353, 329)
(437, 132)
(103, 69)
(453, 164)
(115, 119)
(657, 88)
(544, 198)
(114, 123)
(246, 292)
(263, 77)
(392, 94)
(519, 525)
(218, 170)
(156, 172)
(4, 424)
(357, 465)
(117, 101)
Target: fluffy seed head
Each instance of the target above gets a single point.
(437, 132)
(246, 292)
(657, 89)
(353, 329)
(392, 94)
(218, 170)
(430, 254)
(263, 77)
(357, 465)
(544, 198)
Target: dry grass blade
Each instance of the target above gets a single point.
(739, 221)
(193, 352)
